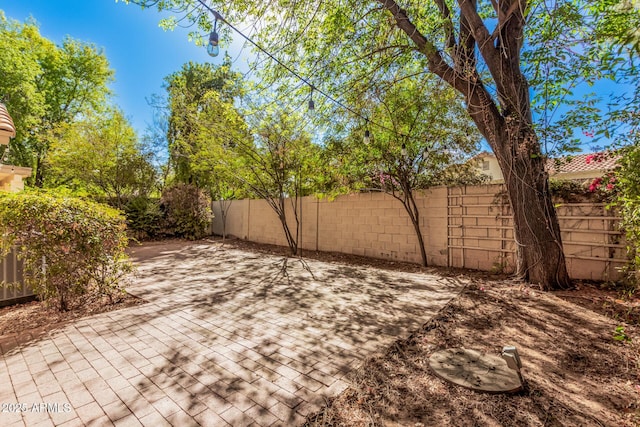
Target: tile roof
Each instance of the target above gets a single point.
(583, 163)
(576, 163)
(6, 123)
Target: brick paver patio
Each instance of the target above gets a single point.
(224, 340)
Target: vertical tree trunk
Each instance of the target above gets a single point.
(411, 207)
(540, 255)
(39, 178)
(281, 211)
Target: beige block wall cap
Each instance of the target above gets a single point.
(15, 170)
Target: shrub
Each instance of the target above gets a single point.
(628, 201)
(187, 211)
(144, 217)
(70, 247)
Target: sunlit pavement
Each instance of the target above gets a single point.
(225, 339)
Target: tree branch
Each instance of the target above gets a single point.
(480, 32)
(436, 62)
(448, 24)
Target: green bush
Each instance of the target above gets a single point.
(628, 201)
(70, 247)
(144, 218)
(186, 210)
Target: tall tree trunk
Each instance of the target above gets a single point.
(39, 178)
(281, 211)
(540, 254)
(224, 210)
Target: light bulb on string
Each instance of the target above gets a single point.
(367, 134)
(312, 105)
(213, 49)
(5, 156)
(404, 150)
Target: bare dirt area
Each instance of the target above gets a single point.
(576, 373)
(23, 322)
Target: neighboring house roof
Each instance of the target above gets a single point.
(574, 163)
(6, 123)
(582, 163)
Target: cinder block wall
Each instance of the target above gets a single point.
(468, 227)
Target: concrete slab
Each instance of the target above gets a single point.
(477, 371)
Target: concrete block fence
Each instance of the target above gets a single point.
(469, 227)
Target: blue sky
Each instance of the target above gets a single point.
(140, 52)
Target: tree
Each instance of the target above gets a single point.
(619, 21)
(628, 201)
(196, 93)
(412, 146)
(102, 155)
(47, 86)
(282, 163)
(18, 86)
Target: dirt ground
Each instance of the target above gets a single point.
(21, 323)
(577, 372)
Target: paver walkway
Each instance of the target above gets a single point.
(223, 340)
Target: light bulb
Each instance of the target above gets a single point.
(312, 105)
(212, 48)
(367, 137)
(404, 150)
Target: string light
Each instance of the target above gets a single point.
(213, 49)
(219, 17)
(312, 106)
(5, 156)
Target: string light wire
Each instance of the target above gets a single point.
(219, 17)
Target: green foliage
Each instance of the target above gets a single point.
(581, 78)
(620, 335)
(280, 162)
(71, 248)
(416, 114)
(144, 217)
(101, 155)
(46, 86)
(202, 118)
(186, 211)
(628, 201)
(569, 191)
(619, 22)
